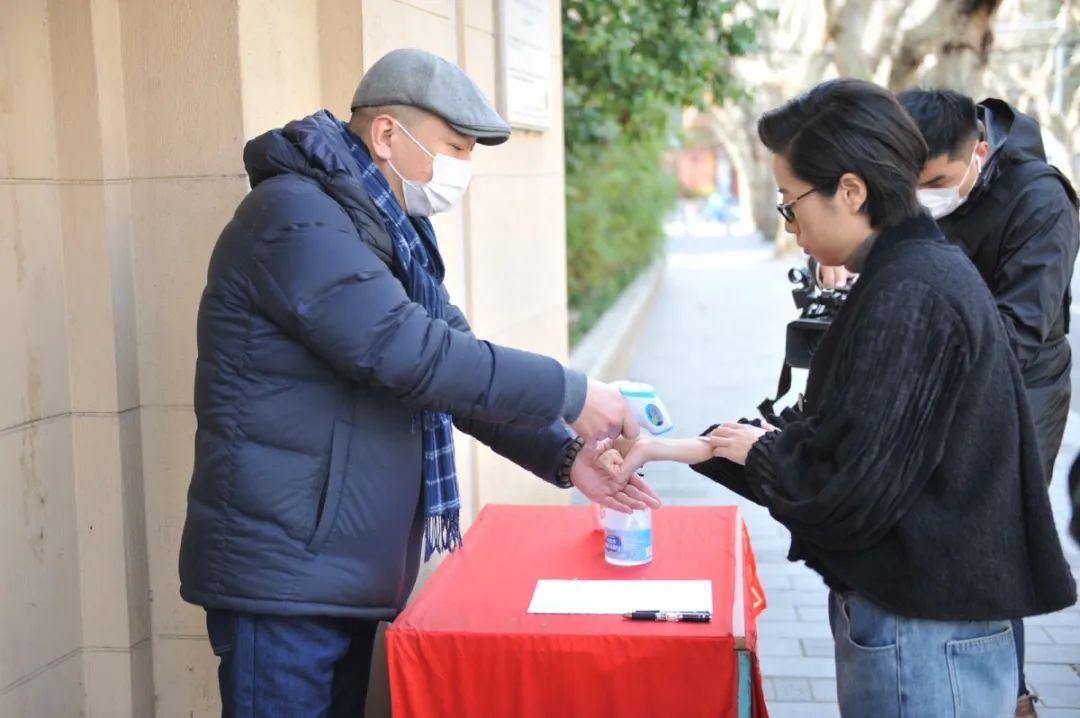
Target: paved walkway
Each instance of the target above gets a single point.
(712, 347)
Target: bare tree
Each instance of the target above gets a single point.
(1036, 67)
(951, 45)
(792, 58)
(892, 42)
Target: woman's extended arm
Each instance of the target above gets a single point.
(639, 452)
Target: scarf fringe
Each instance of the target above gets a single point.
(441, 533)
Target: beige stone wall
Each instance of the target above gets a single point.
(516, 253)
(121, 129)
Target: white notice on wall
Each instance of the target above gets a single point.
(525, 63)
(601, 597)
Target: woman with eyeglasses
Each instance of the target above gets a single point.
(910, 476)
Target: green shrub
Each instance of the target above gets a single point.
(616, 199)
(629, 67)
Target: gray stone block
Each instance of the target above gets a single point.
(818, 647)
(1067, 618)
(813, 613)
(824, 689)
(1038, 673)
(1055, 696)
(1058, 634)
(806, 710)
(1034, 635)
(1050, 653)
(795, 629)
(799, 668)
(769, 646)
(790, 689)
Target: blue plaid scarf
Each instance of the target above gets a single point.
(442, 504)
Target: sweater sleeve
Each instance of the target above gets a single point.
(726, 473)
(844, 476)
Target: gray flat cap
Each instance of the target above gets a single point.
(418, 78)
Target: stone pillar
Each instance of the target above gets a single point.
(517, 239)
(79, 572)
(122, 126)
(183, 103)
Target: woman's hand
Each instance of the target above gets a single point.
(733, 441)
(834, 277)
(608, 458)
(622, 458)
(599, 473)
(637, 455)
(623, 445)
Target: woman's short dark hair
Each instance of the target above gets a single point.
(854, 126)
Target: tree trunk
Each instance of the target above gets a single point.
(819, 38)
(1034, 87)
(961, 50)
(737, 128)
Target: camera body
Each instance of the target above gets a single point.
(817, 306)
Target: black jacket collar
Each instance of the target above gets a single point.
(919, 227)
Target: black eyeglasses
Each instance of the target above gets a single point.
(787, 209)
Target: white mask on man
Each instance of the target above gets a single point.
(449, 180)
(943, 201)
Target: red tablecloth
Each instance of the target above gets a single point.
(466, 646)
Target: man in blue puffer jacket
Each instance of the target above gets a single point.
(331, 370)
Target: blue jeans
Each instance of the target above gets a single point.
(890, 666)
(286, 667)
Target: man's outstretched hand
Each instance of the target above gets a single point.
(605, 415)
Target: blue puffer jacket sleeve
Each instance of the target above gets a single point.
(536, 450)
(316, 278)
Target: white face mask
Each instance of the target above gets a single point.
(449, 180)
(943, 201)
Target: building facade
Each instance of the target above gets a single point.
(122, 124)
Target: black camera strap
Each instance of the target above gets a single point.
(767, 406)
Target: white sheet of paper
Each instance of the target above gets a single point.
(602, 597)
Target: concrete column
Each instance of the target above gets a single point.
(40, 626)
(516, 237)
(122, 126)
(93, 357)
(183, 99)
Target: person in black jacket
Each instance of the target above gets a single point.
(332, 370)
(909, 475)
(988, 184)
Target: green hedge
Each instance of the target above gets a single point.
(629, 67)
(616, 198)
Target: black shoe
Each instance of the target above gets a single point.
(1025, 706)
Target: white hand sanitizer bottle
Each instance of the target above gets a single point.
(627, 537)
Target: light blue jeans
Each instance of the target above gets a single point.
(890, 666)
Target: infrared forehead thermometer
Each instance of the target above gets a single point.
(645, 406)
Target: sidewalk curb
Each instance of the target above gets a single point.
(605, 352)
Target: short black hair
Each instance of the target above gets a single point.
(849, 125)
(947, 120)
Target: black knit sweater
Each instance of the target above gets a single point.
(913, 475)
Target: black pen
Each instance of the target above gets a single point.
(689, 616)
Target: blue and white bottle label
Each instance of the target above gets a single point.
(632, 545)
